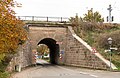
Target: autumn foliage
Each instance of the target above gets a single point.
(11, 29)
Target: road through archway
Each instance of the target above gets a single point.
(53, 47)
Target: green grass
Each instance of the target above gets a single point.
(3, 73)
(117, 63)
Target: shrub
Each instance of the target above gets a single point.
(107, 26)
(103, 43)
(95, 27)
(4, 75)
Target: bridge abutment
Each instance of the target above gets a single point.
(78, 55)
(65, 47)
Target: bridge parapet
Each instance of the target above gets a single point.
(43, 18)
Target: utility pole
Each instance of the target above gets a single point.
(109, 18)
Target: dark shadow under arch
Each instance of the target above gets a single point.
(54, 49)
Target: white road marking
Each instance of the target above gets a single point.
(88, 74)
(93, 75)
(83, 73)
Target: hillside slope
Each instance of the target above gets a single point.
(96, 35)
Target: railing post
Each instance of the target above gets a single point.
(47, 19)
(25, 18)
(32, 18)
(61, 19)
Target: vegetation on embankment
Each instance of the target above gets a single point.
(3, 73)
(92, 30)
(96, 35)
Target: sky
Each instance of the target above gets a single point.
(67, 8)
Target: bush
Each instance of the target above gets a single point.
(3, 65)
(107, 26)
(103, 43)
(96, 27)
(4, 75)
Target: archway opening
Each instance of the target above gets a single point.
(53, 49)
(43, 52)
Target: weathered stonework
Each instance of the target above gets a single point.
(36, 34)
(77, 54)
(71, 50)
(22, 58)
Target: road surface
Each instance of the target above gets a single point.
(46, 70)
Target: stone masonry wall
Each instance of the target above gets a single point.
(78, 55)
(21, 58)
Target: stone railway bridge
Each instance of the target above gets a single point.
(60, 39)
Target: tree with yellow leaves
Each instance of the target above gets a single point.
(91, 16)
(12, 32)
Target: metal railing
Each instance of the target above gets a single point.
(42, 18)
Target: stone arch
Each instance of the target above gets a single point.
(54, 49)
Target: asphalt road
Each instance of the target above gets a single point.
(45, 70)
(51, 71)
